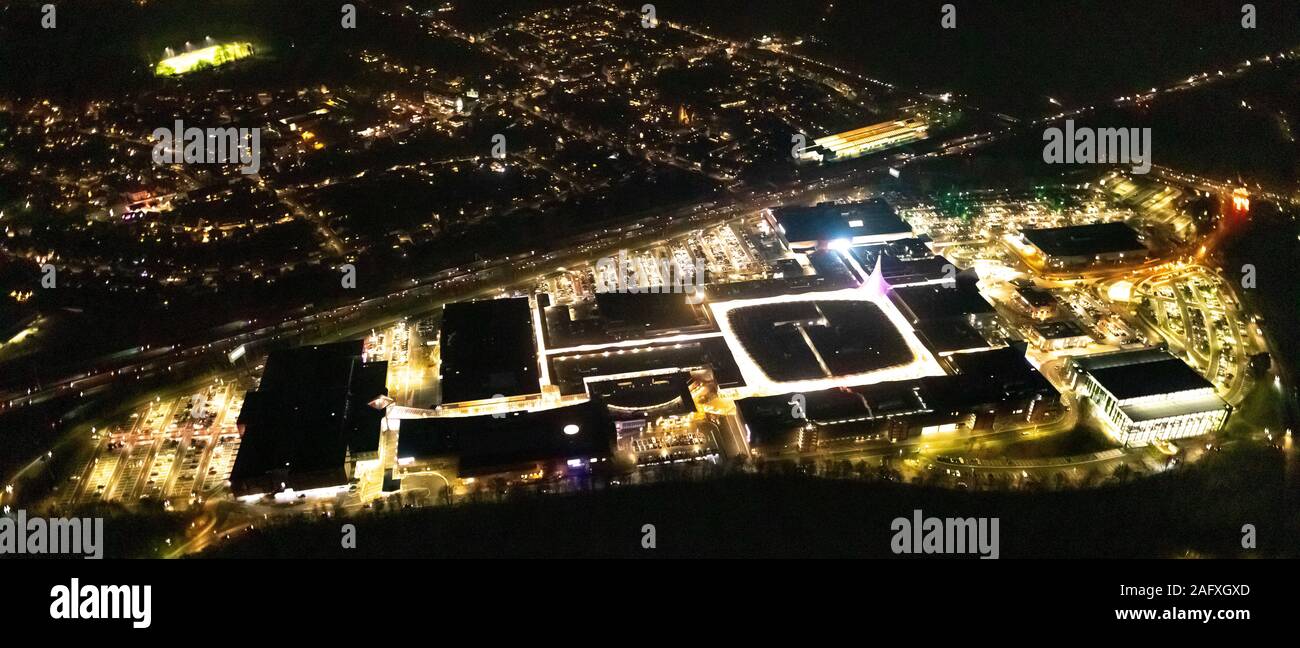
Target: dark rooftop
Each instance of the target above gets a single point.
(646, 396)
(642, 312)
(1086, 240)
(310, 411)
(829, 263)
(488, 350)
(570, 371)
(622, 316)
(817, 339)
(902, 249)
(915, 270)
(766, 414)
(790, 285)
(1167, 376)
(488, 444)
(1037, 297)
(831, 221)
(939, 301)
(992, 365)
(948, 335)
(1098, 361)
(989, 377)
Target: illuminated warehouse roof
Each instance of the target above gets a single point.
(860, 222)
(867, 139)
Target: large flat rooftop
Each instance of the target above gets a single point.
(614, 317)
(487, 444)
(804, 340)
(309, 412)
(831, 221)
(1168, 376)
(488, 350)
(571, 371)
(939, 301)
(1086, 240)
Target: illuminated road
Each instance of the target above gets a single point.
(1206, 344)
(289, 198)
(425, 292)
(485, 277)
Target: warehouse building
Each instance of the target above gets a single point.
(1147, 395)
(488, 352)
(315, 416)
(987, 389)
(865, 140)
(839, 224)
(1080, 246)
(572, 440)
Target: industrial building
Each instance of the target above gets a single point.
(986, 389)
(314, 416)
(868, 139)
(488, 352)
(573, 440)
(199, 59)
(839, 224)
(1148, 395)
(1079, 246)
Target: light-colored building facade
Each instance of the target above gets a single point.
(1148, 395)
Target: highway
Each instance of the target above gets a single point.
(423, 293)
(140, 363)
(490, 276)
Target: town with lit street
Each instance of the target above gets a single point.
(475, 265)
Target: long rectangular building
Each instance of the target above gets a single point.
(1078, 246)
(315, 414)
(488, 351)
(868, 139)
(986, 389)
(572, 438)
(1148, 395)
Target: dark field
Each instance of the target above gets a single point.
(1197, 511)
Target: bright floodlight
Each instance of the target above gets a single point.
(1120, 291)
(570, 429)
(203, 58)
